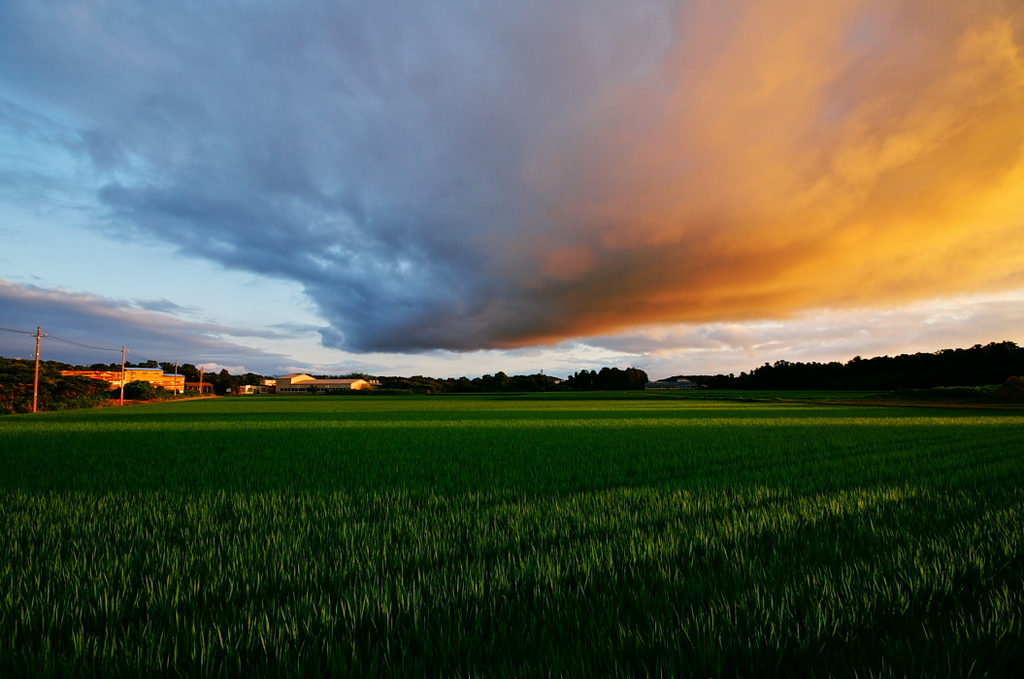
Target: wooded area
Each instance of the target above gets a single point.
(977, 366)
(991, 364)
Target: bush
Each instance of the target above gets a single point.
(948, 393)
(143, 391)
(1011, 391)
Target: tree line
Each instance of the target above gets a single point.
(979, 365)
(59, 392)
(63, 392)
(56, 391)
(976, 366)
(610, 379)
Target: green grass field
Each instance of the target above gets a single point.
(540, 535)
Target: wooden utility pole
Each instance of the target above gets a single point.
(124, 351)
(201, 371)
(35, 381)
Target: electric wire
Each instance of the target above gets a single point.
(20, 332)
(84, 346)
(144, 359)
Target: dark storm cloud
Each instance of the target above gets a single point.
(468, 175)
(372, 152)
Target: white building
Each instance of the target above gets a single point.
(300, 383)
(678, 383)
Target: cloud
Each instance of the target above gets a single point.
(842, 156)
(87, 329)
(820, 336)
(164, 306)
(461, 178)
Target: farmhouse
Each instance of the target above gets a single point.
(154, 376)
(267, 386)
(246, 389)
(672, 383)
(301, 383)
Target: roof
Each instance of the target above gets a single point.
(303, 377)
(336, 381)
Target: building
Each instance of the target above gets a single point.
(301, 383)
(267, 387)
(154, 376)
(672, 383)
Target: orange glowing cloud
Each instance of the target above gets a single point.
(533, 171)
(786, 156)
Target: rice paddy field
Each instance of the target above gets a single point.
(507, 536)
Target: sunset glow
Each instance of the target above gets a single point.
(539, 179)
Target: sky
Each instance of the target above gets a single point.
(461, 187)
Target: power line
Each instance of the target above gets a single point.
(35, 382)
(60, 339)
(79, 344)
(144, 358)
(38, 335)
(20, 332)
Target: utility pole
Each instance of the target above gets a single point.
(35, 382)
(176, 379)
(201, 371)
(124, 352)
